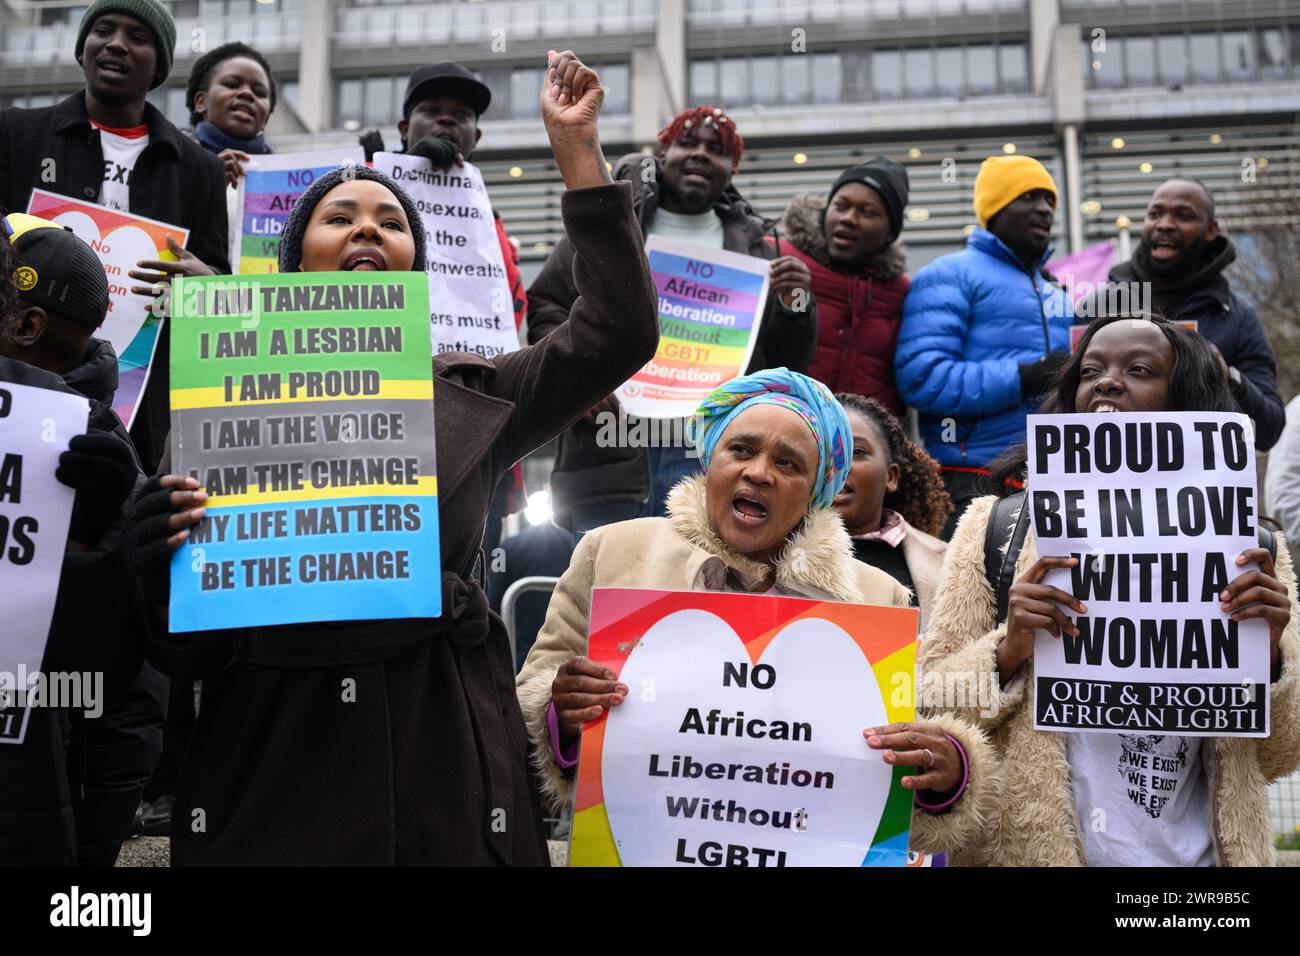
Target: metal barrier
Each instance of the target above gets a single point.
(1284, 809)
(510, 601)
(556, 827)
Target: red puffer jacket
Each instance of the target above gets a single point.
(858, 316)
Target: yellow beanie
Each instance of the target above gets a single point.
(1002, 179)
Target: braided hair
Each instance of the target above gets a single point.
(715, 119)
(921, 497)
(206, 65)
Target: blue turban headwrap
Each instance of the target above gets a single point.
(808, 398)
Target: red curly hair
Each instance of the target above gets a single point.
(725, 126)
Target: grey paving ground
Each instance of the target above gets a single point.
(152, 851)
(144, 851)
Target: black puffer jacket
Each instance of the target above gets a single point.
(586, 473)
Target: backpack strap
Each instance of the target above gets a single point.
(1003, 538)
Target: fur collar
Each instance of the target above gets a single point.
(817, 559)
(802, 225)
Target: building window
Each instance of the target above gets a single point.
(796, 79)
(887, 74)
(1014, 63)
(615, 77)
(981, 70)
(826, 68)
(733, 88)
(1238, 55)
(704, 81)
(763, 78)
(523, 93)
(1203, 57)
(855, 76)
(918, 73)
(1270, 50)
(1171, 55)
(948, 72)
(1140, 61)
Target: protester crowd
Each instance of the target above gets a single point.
(803, 481)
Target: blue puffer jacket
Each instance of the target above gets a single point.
(971, 319)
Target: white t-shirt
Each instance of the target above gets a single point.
(703, 230)
(1141, 800)
(121, 149)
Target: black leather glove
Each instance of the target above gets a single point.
(372, 141)
(101, 467)
(1036, 377)
(145, 538)
(440, 152)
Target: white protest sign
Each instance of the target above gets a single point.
(1156, 507)
(470, 306)
(36, 425)
(741, 740)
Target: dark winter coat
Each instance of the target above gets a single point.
(425, 759)
(586, 473)
(858, 316)
(95, 628)
(1226, 319)
(175, 181)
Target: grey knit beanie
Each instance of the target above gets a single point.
(295, 227)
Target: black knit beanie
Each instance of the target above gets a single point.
(295, 227)
(152, 14)
(886, 177)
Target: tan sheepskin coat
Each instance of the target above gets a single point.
(682, 553)
(1035, 823)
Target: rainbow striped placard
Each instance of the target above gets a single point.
(740, 741)
(711, 303)
(304, 406)
(120, 240)
(267, 191)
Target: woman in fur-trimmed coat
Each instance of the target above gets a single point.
(1078, 799)
(850, 245)
(747, 524)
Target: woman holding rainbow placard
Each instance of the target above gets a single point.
(775, 447)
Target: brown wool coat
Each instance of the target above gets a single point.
(682, 553)
(427, 765)
(1036, 823)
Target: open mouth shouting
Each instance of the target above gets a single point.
(365, 260)
(1164, 248)
(749, 509)
(1104, 405)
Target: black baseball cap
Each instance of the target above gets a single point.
(57, 271)
(445, 77)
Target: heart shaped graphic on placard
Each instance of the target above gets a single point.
(654, 758)
(120, 250)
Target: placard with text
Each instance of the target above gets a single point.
(303, 404)
(1156, 507)
(740, 742)
(711, 304)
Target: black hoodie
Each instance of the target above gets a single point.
(1204, 296)
(95, 628)
(586, 473)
